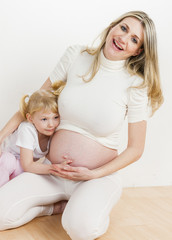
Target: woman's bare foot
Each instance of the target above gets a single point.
(59, 207)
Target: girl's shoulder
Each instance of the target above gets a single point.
(27, 126)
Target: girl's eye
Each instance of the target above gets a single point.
(134, 40)
(56, 117)
(43, 119)
(123, 28)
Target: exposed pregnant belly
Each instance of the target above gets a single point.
(83, 151)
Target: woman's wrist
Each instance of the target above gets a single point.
(97, 173)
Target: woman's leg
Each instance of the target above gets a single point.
(28, 196)
(8, 164)
(86, 215)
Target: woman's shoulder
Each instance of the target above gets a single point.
(136, 81)
(71, 53)
(75, 49)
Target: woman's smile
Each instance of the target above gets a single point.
(117, 45)
(124, 40)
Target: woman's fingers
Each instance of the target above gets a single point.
(70, 168)
(74, 173)
(64, 170)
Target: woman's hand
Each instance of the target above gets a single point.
(64, 170)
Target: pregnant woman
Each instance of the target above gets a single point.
(104, 85)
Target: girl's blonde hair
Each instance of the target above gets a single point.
(45, 100)
(144, 65)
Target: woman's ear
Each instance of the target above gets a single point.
(29, 117)
(138, 51)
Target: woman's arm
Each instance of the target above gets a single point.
(134, 150)
(17, 118)
(11, 125)
(47, 84)
(60, 72)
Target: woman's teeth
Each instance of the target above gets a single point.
(116, 44)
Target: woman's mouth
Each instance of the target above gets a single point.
(117, 45)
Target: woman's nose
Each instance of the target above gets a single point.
(124, 38)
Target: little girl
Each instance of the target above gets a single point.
(30, 141)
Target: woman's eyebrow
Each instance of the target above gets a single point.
(128, 28)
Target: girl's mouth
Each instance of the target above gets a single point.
(50, 130)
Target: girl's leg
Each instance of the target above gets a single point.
(28, 196)
(86, 215)
(18, 170)
(7, 166)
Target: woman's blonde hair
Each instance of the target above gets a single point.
(42, 100)
(145, 64)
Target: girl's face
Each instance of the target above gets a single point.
(44, 122)
(124, 40)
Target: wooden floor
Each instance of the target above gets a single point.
(141, 214)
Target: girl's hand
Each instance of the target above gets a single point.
(57, 167)
(64, 170)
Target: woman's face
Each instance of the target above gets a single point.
(124, 40)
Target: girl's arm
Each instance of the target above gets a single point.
(28, 165)
(134, 150)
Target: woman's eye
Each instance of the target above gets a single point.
(123, 28)
(134, 40)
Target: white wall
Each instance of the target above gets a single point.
(35, 33)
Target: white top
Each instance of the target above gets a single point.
(26, 136)
(97, 109)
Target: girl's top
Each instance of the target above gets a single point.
(97, 109)
(26, 136)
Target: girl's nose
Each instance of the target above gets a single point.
(50, 123)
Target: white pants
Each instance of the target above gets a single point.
(86, 215)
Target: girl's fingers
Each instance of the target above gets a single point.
(67, 162)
